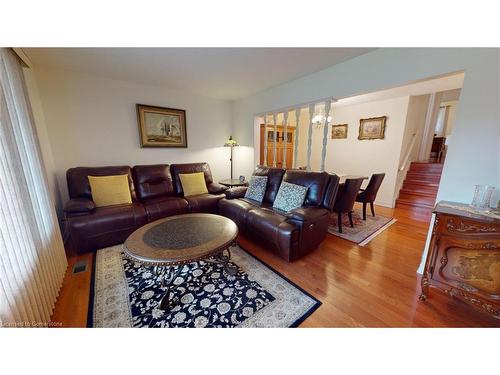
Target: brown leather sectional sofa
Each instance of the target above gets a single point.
(157, 192)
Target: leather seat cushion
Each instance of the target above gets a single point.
(158, 208)
(264, 222)
(204, 202)
(236, 210)
(256, 204)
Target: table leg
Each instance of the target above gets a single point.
(224, 259)
(167, 276)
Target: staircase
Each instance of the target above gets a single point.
(421, 185)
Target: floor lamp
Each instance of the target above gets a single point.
(231, 143)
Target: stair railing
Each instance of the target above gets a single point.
(404, 164)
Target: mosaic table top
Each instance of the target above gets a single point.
(180, 239)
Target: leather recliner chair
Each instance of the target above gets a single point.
(155, 189)
(203, 202)
(290, 234)
(89, 227)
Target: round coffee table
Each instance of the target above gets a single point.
(170, 243)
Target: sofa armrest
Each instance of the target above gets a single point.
(307, 213)
(79, 206)
(215, 188)
(236, 192)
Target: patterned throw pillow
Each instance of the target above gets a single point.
(257, 188)
(289, 196)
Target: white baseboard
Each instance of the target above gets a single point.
(425, 250)
(384, 204)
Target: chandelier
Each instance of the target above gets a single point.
(319, 120)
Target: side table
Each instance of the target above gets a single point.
(233, 182)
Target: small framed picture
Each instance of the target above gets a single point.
(242, 179)
(161, 127)
(339, 131)
(372, 128)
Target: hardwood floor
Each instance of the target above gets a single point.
(372, 286)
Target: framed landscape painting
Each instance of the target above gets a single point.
(339, 131)
(161, 127)
(372, 128)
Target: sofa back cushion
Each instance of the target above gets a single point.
(274, 177)
(177, 169)
(78, 181)
(153, 181)
(315, 182)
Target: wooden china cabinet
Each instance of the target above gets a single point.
(282, 142)
(464, 257)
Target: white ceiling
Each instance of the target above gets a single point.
(223, 73)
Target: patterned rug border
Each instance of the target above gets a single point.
(370, 237)
(308, 313)
(377, 232)
(295, 324)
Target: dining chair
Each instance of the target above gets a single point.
(369, 194)
(345, 200)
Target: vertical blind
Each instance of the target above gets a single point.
(285, 112)
(32, 257)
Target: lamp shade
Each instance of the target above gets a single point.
(231, 142)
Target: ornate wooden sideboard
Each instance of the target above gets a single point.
(464, 257)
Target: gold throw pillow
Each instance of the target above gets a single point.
(193, 184)
(110, 190)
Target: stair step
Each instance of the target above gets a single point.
(415, 200)
(412, 182)
(400, 203)
(421, 183)
(420, 192)
(426, 163)
(424, 174)
(425, 171)
(437, 167)
(431, 179)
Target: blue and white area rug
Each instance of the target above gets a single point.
(127, 294)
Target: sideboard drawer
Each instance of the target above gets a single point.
(471, 265)
(464, 226)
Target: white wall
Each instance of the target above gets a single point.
(450, 120)
(92, 121)
(472, 156)
(415, 122)
(364, 157)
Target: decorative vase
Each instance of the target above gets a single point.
(482, 197)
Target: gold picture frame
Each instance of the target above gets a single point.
(161, 126)
(339, 131)
(372, 128)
